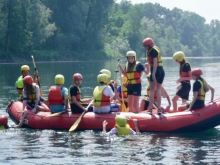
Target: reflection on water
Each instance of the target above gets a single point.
(28, 146)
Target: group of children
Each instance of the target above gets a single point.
(109, 97)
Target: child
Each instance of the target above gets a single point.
(31, 98)
(121, 126)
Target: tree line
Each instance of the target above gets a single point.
(94, 29)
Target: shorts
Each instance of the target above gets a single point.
(76, 109)
(198, 104)
(106, 109)
(32, 105)
(183, 92)
(159, 75)
(114, 107)
(134, 89)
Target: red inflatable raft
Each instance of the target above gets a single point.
(188, 121)
(3, 120)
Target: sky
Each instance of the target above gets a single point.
(209, 9)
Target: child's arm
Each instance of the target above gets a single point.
(104, 126)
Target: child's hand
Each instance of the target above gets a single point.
(104, 123)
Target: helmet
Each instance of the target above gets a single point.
(28, 80)
(131, 54)
(121, 120)
(179, 56)
(77, 76)
(59, 79)
(105, 71)
(148, 42)
(102, 78)
(197, 72)
(20, 83)
(124, 79)
(25, 68)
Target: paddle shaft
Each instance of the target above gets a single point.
(35, 68)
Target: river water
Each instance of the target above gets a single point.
(30, 146)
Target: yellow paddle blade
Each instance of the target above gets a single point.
(55, 114)
(41, 93)
(123, 107)
(75, 125)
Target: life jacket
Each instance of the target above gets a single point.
(124, 91)
(55, 97)
(184, 74)
(148, 93)
(201, 92)
(134, 77)
(123, 130)
(150, 59)
(78, 96)
(99, 98)
(31, 98)
(19, 86)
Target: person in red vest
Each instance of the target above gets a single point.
(121, 126)
(200, 87)
(58, 95)
(184, 80)
(157, 72)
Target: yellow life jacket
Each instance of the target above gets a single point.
(123, 130)
(150, 59)
(201, 92)
(99, 98)
(134, 77)
(31, 98)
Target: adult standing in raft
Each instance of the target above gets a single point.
(19, 83)
(75, 95)
(184, 80)
(133, 71)
(200, 87)
(58, 95)
(156, 70)
(103, 95)
(31, 99)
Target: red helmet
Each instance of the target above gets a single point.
(28, 80)
(197, 72)
(77, 76)
(148, 42)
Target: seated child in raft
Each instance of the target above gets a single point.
(103, 95)
(121, 126)
(145, 101)
(200, 87)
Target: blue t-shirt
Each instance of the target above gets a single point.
(59, 107)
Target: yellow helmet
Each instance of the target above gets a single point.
(20, 83)
(59, 79)
(179, 56)
(121, 120)
(25, 68)
(102, 78)
(106, 71)
(123, 79)
(131, 54)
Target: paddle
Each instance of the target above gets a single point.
(55, 114)
(41, 93)
(123, 107)
(75, 125)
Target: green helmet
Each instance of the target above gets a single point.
(59, 79)
(179, 56)
(102, 78)
(121, 120)
(131, 54)
(19, 83)
(105, 71)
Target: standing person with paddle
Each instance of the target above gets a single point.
(19, 83)
(133, 71)
(58, 96)
(31, 99)
(156, 70)
(75, 95)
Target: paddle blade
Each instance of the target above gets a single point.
(75, 125)
(55, 114)
(41, 92)
(123, 107)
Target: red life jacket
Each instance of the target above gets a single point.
(54, 96)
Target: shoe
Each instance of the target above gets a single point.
(159, 112)
(150, 112)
